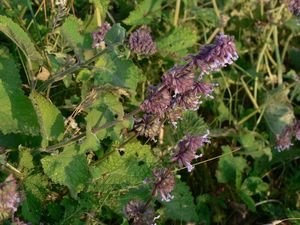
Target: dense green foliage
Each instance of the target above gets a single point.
(67, 111)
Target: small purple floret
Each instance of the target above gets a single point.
(98, 36)
(9, 196)
(186, 150)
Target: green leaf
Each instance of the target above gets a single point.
(190, 123)
(26, 159)
(123, 170)
(230, 168)
(106, 109)
(144, 13)
(182, 207)
(203, 209)
(14, 32)
(68, 168)
(116, 35)
(223, 110)
(177, 41)
(118, 72)
(16, 113)
(254, 185)
(71, 31)
(247, 200)
(73, 211)
(49, 117)
(279, 112)
(207, 16)
(293, 24)
(35, 191)
(294, 55)
(253, 146)
(293, 214)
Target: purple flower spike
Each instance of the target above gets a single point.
(294, 7)
(214, 56)
(157, 103)
(135, 210)
(164, 183)
(9, 197)
(186, 150)
(98, 36)
(179, 79)
(148, 126)
(141, 41)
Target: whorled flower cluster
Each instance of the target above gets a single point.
(139, 213)
(185, 151)
(9, 197)
(294, 7)
(98, 36)
(148, 126)
(141, 42)
(284, 140)
(164, 183)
